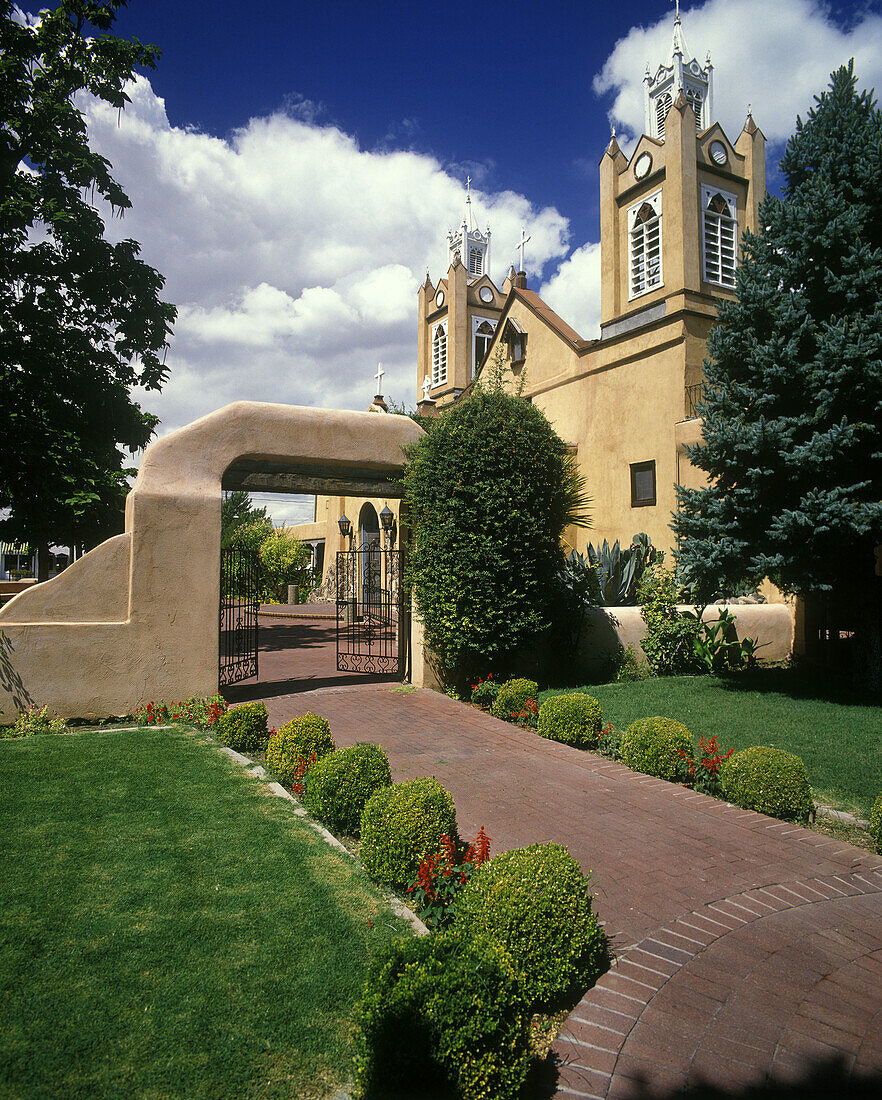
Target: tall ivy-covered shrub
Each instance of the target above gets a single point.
(490, 490)
(793, 403)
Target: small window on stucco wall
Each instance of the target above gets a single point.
(642, 484)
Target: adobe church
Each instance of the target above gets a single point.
(671, 219)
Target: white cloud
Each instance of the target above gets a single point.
(573, 292)
(293, 255)
(776, 57)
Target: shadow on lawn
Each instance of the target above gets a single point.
(798, 684)
(830, 1079)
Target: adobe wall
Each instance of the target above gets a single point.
(606, 628)
(137, 618)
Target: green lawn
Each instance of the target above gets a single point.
(838, 735)
(167, 929)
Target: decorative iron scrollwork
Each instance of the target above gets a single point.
(369, 610)
(239, 604)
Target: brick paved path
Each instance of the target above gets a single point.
(746, 948)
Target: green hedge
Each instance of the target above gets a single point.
(652, 746)
(573, 719)
(769, 780)
(512, 698)
(403, 824)
(296, 741)
(338, 786)
(244, 728)
(876, 823)
(441, 1015)
(535, 904)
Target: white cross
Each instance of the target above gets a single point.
(677, 6)
(524, 240)
(427, 385)
(379, 378)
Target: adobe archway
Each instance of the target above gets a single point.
(137, 617)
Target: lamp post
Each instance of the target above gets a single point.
(387, 521)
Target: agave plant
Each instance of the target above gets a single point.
(619, 571)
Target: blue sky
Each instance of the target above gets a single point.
(294, 167)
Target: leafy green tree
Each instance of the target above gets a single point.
(490, 490)
(793, 401)
(282, 558)
(80, 318)
(237, 510)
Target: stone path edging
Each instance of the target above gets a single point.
(591, 1045)
(257, 771)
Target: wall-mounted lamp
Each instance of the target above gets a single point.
(387, 522)
(345, 525)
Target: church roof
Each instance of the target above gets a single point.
(546, 313)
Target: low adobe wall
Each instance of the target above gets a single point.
(607, 628)
(137, 618)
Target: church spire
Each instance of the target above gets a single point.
(472, 245)
(681, 74)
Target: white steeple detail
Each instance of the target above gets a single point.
(472, 245)
(682, 73)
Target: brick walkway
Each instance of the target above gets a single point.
(746, 948)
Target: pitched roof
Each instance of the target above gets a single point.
(546, 313)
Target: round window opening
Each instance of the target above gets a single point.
(718, 152)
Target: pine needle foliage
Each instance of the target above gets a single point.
(490, 490)
(793, 398)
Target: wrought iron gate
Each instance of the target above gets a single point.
(239, 604)
(370, 610)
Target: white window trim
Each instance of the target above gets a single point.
(707, 193)
(476, 250)
(476, 324)
(439, 354)
(662, 107)
(655, 201)
(692, 94)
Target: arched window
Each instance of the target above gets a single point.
(720, 233)
(662, 106)
(695, 102)
(476, 261)
(439, 354)
(483, 339)
(369, 560)
(644, 240)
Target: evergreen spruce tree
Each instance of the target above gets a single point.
(793, 402)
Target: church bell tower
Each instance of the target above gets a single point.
(457, 318)
(681, 74)
(672, 214)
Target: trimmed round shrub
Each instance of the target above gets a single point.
(337, 787)
(534, 903)
(652, 746)
(244, 728)
(768, 780)
(573, 719)
(512, 698)
(403, 824)
(876, 823)
(296, 741)
(441, 1014)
